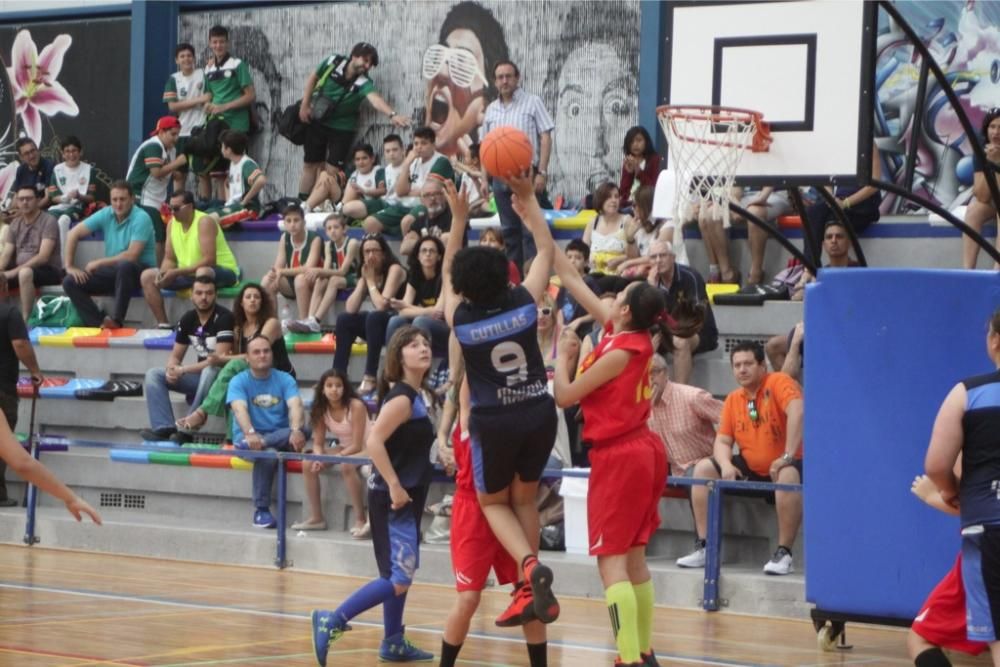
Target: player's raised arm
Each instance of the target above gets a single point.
(526, 206)
(458, 203)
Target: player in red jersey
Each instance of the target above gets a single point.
(628, 462)
(941, 622)
(475, 550)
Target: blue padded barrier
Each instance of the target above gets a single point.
(883, 348)
(36, 332)
(129, 456)
(162, 343)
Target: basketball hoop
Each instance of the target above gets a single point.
(706, 145)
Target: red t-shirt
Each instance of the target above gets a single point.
(621, 405)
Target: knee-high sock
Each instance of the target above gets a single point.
(622, 608)
(644, 614)
(392, 615)
(375, 592)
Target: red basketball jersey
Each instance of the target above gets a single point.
(621, 405)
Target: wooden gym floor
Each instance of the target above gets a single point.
(76, 609)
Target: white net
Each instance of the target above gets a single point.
(706, 145)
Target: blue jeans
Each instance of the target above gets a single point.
(437, 330)
(370, 325)
(194, 387)
(264, 469)
(520, 244)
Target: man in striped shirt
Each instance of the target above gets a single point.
(517, 108)
(684, 417)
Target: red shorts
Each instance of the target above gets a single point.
(627, 478)
(474, 548)
(941, 620)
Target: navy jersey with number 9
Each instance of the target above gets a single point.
(500, 348)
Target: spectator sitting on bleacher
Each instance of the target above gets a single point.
(381, 279)
(423, 162)
(431, 218)
(15, 347)
(392, 158)
(268, 414)
(339, 271)
(208, 327)
(72, 188)
(684, 417)
(337, 414)
(682, 283)
(31, 249)
(298, 251)
(475, 182)
(244, 185)
(606, 234)
(149, 173)
(784, 351)
(128, 249)
(364, 189)
(34, 171)
(421, 304)
(642, 232)
(763, 417)
(493, 237)
(640, 166)
(195, 247)
(571, 313)
(767, 205)
(253, 317)
(712, 226)
(981, 208)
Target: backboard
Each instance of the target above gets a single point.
(806, 64)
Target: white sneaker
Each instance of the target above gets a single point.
(780, 563)
(694, 559)
(312, 325)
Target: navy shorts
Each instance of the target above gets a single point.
(981, 578)
(396, 534)
(511, 439)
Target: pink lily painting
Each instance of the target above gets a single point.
(33, 79)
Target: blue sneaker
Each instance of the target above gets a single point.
(241, 444)
(325, 631)
(399, 649)
(264, 519)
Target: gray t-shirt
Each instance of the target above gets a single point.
(27, 239)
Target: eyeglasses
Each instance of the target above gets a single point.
(177, 209)
(545, 311)
(431, 195)
(462, 66)
(660, 255)
(752, 410)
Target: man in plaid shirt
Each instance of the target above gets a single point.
(684, 417)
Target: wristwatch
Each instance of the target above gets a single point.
(787, 458)
(251, 432)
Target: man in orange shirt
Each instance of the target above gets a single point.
(763, 417)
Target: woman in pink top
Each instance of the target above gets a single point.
(336, 413)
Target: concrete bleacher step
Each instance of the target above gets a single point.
(335, 553)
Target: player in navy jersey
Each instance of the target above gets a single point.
(968, 424)
(399, 445)
(512, 424)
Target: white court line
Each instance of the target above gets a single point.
(414, 628)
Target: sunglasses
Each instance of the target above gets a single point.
(177, 209)
(462, 66)
(752, 410)
(371, 237)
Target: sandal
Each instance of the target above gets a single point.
(186, 424)
(308, 524)
(366, 387)
(362, 532)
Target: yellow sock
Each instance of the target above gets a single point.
(622, 608)
(644, 614)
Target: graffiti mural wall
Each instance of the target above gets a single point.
(965, 40)
(66, 78)
(581, 58)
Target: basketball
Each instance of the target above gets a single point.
(506, 151)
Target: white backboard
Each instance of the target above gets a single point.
(806, 64)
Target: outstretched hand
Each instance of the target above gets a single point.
(78, 507)
(458, 200)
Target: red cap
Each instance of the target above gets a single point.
(166, 123)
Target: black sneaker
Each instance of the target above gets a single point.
(181, 438)
(156, 434)
(649, 659)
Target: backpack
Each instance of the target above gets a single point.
(54, 311)
(206, 139)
